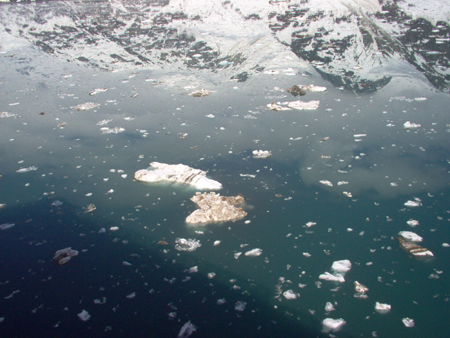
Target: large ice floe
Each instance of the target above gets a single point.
(339, 269)
(177, 173)
(215, 208)
(413, 249)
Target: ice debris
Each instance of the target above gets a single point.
(24, 170)
(413, 249)
(332, 325)
(64, 255)
(408, 322)
(186, 330)
(412, 223)
(262, 153)
(200, 93)
(360, 289)
(216, 208)
(339, 269)
(408, 125)
(182, 244)
(177, 173)
(5, 226)
(56, 203)
(412, 204)
(254, 253)
(412, 236)
(302, 105)
(341, 266)
(84, 315)
(240, 305)
(86, 106)
(336, 277)
(382, 308)
(277, 107)
(289, 294)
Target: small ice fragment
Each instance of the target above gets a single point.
(262, 153)
(24, 170)
(62, 256)
(221, 301)
(254, 253)
(409, 125)
(131, 295)
(114, 228)
(408, 322)
(276, 107)
(306, 254)
(302, 105)
(412, 222)
(382, 308)
(193, 269)
(182, 244)
(325, 182)
(5, 226)
(310, 224)
(412, 236)
(420, 98)
(200, 93)
(84, 315)
(240, 305)
(329, 307)
(446, 245)
(336, 277)
(86, 106)
(341, 266)
(186, 330)
(359, 288)
(102, 230)
(216, 243)
(332, 325)
(413, 204)
(98, 90)
(211, 116)
(247, 222)
(289, 294)
(56, 203)
(237, 254)
(211, 275)
(126, 263)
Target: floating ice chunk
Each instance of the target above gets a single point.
(277, 107)
(193, 269)
(115, 130)
(445, 245)
(216, 243)
(325, 182)
(56, 203)
(329, 307)
(302, 105)
(5, 226)
(409, 125)
(131, 295)
(211, 116)
(408, 322)
(413, 249)
(177, 173)
(359, 135)
(341, 266)
(240, 305)
(312, 88)
(182, 244)
(64, 255)
(200, 93)
(382, 308)
(103, 122)
(332, 325)
(359, 288)
(221, 301)
(86, 106)
(25, 170)
(211, 275)
(216, 208)
(254, 253)
(262, 153)
(412, 236)
(420, 99)
(310, 224)
(289, 294)
(12, 294)
(114, 228)
(237, 254)
(84, 315)
(413, 204)
(306, 254)
(336, 277)
(98, 90)
(186, 330)
(412, 222)
(126, 263)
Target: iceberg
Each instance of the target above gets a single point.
(186, 330)
(412, 236)
(413, 249)
(177, 173)
(64, 255)
(182, 244)
(382, 308)
(262, 153)
(215, 208)
(332, 325)
(302, 105)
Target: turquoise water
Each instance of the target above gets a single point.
(357, 138)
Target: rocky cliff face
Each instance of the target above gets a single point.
(356, 45)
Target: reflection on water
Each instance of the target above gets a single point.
(94, 91)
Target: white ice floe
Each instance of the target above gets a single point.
(445, 245)
(262, 153)
(25, 170)
(64, 255)
(408, 322)
(412, 223)
(115, 130)
(177, 173)
(310, 224)
(413, 204)
(277, 107)
(216, 208)
(332, 325)
(329, 307)
(325, 182)
(341, 266)
(240, 305)
(412, 236)
(193, 269)
(186, 330)
(254, 253)
(336, 277)
(182, 244)
(289, 294)
(86, 106)
(98, 90)
(382, 308)
(84, 315)
(216, 243)
(237, 254)
(409, 125)
(312, 88)
(302, 105)
(114, 228)
(5, 226)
